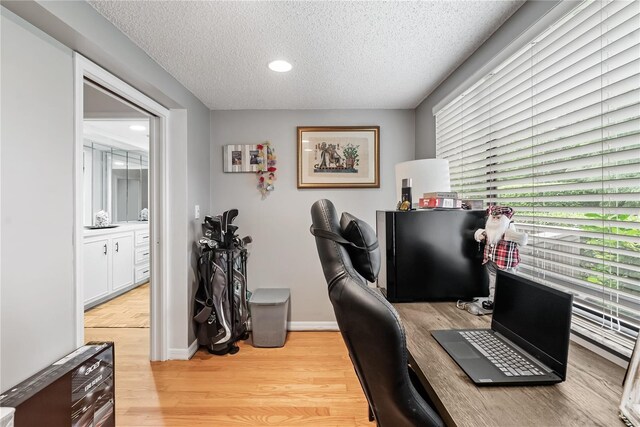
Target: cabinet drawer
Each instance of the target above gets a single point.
(142, 273)
(142, 255)
(142, 237)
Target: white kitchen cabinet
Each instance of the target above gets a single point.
(142, 273)
(96, 269)
(142, 237)
(122, 251)
(142, 255)
(115, 260)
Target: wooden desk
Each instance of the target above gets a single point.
(590, 395)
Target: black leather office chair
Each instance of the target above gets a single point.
(370, 326)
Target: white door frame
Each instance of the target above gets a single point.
(158, 140)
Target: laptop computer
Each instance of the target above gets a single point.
(528, 342)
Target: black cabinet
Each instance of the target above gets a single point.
(430, 255)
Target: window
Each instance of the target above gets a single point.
(554, 132)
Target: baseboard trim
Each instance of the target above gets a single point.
(193, 348)
(186, 354)
(114, 295)
(312, 326)
(183, 353)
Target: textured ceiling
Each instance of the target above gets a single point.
(344, 54)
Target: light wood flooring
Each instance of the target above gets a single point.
(129, 310)
(308, 382)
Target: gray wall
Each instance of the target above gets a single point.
(283, 253)
(31, 64)
(36, 281)
(198, 193)
(180, 259)
(519, 22)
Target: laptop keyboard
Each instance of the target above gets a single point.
(501, 355)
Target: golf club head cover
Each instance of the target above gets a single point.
(231, 215)
(227, 218)
(216, 228)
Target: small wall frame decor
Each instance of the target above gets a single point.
(630, 404)
(240, 158)
(339, 157)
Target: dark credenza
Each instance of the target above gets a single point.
(430, 255)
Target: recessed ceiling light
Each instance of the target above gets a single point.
(280, 66)
(138, 128)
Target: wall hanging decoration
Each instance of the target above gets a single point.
(339, 157)
(266, 166)
(240, 158)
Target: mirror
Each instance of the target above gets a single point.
(129, 174)
(116, 181)
(115, 159)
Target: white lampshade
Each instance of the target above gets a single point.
(427, 175)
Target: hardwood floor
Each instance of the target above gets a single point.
(129, 310)
(308, 382)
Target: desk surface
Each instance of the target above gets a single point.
(590, 395)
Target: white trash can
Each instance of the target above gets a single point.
(269, 308)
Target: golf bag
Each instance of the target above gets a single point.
(221, 309)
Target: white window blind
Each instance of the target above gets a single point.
(554, 132)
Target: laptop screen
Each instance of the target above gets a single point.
(535, 317)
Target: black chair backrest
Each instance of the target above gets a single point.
(372, 332)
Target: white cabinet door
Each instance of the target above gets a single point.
(122, 248)
(96, 269)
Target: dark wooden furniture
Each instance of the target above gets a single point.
(590, 395)
(438, 241)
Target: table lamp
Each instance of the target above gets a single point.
(424, 176)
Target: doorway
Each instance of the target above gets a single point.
(116, 249)
(120, 214)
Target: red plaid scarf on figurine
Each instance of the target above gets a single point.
(504, 254)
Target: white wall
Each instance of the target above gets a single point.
(36, 282)
(283, 253)
(528, 14)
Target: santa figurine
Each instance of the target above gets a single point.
(501, 241)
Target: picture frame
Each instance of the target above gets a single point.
(630, 403)
(339, 157)
(240, 158)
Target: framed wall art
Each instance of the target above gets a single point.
(339, 157)
(240, 158)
